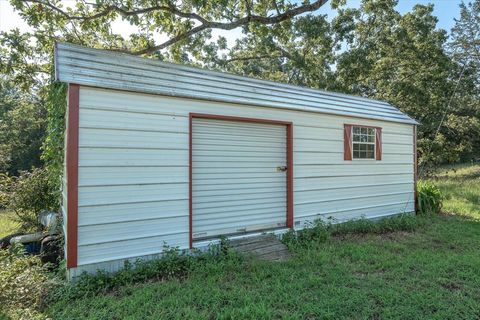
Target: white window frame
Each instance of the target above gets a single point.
(374, 143)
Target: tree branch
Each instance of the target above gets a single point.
(204, 23)
(248, 58)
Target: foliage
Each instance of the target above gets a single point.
(53, 145)
(321, 231)
(317, 232)
(429, 198)
(29, 194)
(428, 274)
(187, 24)
(22, 127)
(23, 282)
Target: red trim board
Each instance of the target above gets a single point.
(72, 173)
(415, 167)
(289, 155)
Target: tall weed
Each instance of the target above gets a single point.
(430, 199)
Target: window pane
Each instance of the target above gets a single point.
(371, 131)
(370, 155)
(356, 147)
(356, 130)
(356, 137)
(371, 138)
(363, 130)
(356, 154)
(370, 147)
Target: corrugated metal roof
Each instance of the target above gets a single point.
(113, 70)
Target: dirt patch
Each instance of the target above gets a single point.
(388, 236)
(453, 287)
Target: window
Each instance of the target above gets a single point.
(363, 142)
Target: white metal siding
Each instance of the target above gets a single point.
(236, 187)
(133, 170)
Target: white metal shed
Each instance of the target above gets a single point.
(163, 153)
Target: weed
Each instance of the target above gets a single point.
(321, 231)
(429, 198)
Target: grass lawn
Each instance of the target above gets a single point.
(461, 186)
(7, 223)
(432, 273)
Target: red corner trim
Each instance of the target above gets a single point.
(415, 168)
(289, 175)
(289, 155)
(72, 174)
(190, 177)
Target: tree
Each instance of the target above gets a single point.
(183, 22)
(22, 128)
(299, 52)
(462, 122)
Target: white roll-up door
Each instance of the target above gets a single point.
(238, 177)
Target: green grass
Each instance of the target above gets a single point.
(7, 223)
(430, 273)
(460, 185)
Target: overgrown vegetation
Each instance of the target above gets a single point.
(173, 264)
(321, 231)
(27, 195)
(23, 284)
(430, 199)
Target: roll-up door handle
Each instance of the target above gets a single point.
(282, 168)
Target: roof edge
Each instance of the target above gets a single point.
(65, 45)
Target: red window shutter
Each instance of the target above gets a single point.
(347, 142)
(378, 144)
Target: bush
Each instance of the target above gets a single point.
(6, 182)
(23, 283)
(430, 199)
(27, 195)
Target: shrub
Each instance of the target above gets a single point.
(23, 283)
(6, 182)
(27, 195)
(429, 198)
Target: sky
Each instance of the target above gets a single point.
(444, 10)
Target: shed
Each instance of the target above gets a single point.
(159, 153)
